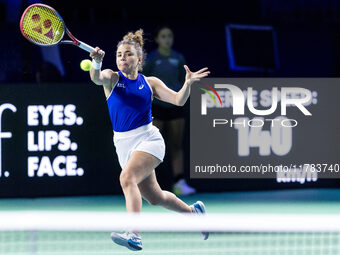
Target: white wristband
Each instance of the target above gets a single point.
(96, 65)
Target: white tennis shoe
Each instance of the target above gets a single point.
(199, 208)
(130, 240)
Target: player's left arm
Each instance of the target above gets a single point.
(162, 92)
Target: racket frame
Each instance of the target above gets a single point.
(73, 41)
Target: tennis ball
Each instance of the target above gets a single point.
(85, 65)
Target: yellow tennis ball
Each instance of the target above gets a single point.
(85, 65)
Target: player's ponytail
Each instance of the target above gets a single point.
(135, 39)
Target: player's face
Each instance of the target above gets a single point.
(127, 59)
(165, 38)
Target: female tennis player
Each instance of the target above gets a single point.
(139, 144)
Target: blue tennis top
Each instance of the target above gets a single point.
(130, 103)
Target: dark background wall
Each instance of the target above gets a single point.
(307, 34)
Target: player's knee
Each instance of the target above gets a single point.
(126, 180)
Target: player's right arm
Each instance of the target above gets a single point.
(105, 77)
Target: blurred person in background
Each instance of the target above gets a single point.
(167, 65)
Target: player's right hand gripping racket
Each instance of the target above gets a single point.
(42, 25)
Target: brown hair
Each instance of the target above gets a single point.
(135, 39)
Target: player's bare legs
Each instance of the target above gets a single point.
(153, 193)
(139, 167)
(138, 179)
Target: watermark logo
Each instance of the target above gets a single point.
(211, 95)
(238, 98)
(259, 121)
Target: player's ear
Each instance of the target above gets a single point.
(140, 63)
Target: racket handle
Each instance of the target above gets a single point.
(85, 46)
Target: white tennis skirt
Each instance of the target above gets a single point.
(146, 138)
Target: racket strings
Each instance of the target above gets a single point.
(42, 25)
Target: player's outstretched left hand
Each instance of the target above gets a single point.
(191, 77)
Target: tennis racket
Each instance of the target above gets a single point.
(42, 25)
